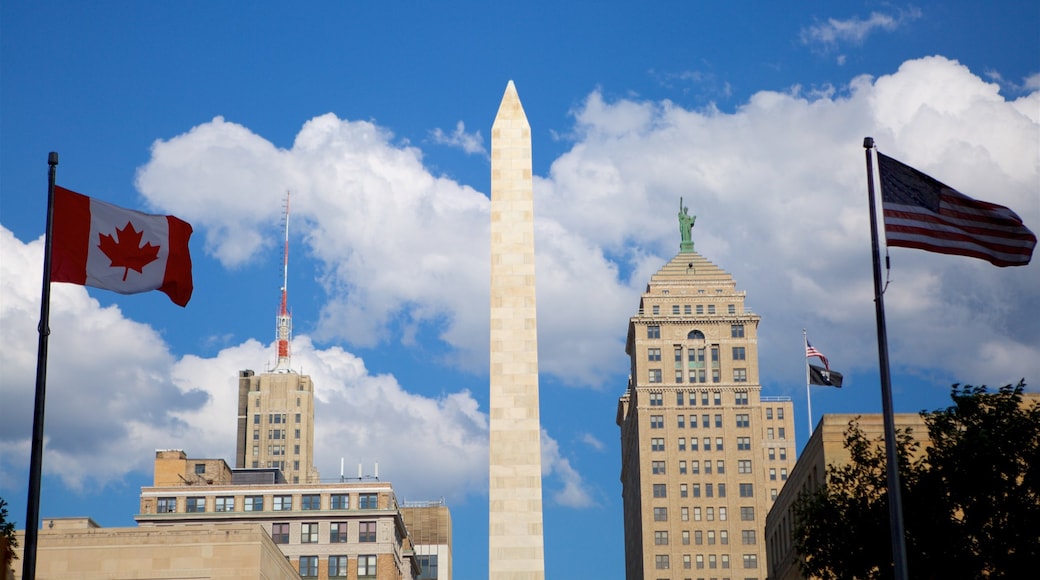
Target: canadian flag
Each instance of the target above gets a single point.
(106, 246)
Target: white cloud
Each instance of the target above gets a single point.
(471, 143)
(574, 493)
(855, 30)
(591, 440)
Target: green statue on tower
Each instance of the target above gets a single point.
(685, 228)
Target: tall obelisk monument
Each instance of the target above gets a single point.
(515, 547)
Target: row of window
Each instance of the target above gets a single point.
(689, 309)
(662, 562)
(743, 421)
(743, 444)
(275, 418)
(337, 566)
(695, 356)
(700, 513)
(656, 376)
(337, 532)
(747, 537)
(743, 466)
(653, 331)
(255, 503)
(740, 398)
(660, 490)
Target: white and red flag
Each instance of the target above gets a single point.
(106, 246)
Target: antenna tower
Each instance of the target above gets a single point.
(284, 319)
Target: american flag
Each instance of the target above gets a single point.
(810, 351)
(920, 212)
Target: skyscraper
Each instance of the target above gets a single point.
(515, 545)
(703, 453)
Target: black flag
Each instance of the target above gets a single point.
(822, 376)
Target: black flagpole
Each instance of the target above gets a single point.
(32, 516)
(895, 501)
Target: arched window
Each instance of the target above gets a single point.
(695, 335)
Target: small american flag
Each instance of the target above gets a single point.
(810, 351)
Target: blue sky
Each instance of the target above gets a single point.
(378, 118)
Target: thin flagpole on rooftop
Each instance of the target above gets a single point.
(808, 397)
(32, 515)
(895, 502)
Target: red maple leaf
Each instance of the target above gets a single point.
(128, 253)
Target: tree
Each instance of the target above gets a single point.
(8, 541)
(971, 499)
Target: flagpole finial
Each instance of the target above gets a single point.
(52, 158)
(868, 142)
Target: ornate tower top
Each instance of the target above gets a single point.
(283, 327)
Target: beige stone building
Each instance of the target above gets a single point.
(79, 548)
(349, 529)
(276, 424)
(703, 453)
(429, 528)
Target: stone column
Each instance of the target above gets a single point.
(515, 546)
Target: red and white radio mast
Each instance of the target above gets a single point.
(284, 320)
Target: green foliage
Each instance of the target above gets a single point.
(7, 529)
(971, 501)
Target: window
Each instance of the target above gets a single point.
(779, 412)
(747, 514)
(718, 444)
(783, 474)
(709, 490)
(697, 514)
(743, 420)
(224, 504)
(772, 453)
(687, 309)
(166, 505)
(367, 532)
(660, 538)
(656, 400)
(296, 435)
(772, 474)
(366, 566)
(695, 335)
(723, 534)
(684, 514)
(660, 490)
(681, 421)
(743, 444)
(736, 331)
(711, 309)
(311, 501)
(256, 418)
(707, 467)
(661, 561)
(722, 515)
(711, 537)
(720, 465)
(657, 421)
(337, 566)
(700, 309)
(716, 377)
(427, 566)
(705, 421)
(653, 331)
(660, 514)
(654, 376)
(717, 398)
(280, 533)
(656, 309)
(782, 432)
(700, 560)
(308, 566)
(704, 398)
(710, 513)
(695, 467)
(657, 467)
(309, 533)
(747, 537)
(772, 494)
(739, 375)
(693, 444)
(675, 309)
(282, 503)
(338, 532)
(254, 503)
(200, 469)
(783, 454)
(731, 309)
(679, 394)
(682, 467)
(297, 416)
(367, 501)
(750, 560)
(657, 444)
(718, 421)
(196, 505)
(698, 537)
(653, 354)
(682, 444)
(686, 562)
(684, 490)
(722, 490)
(770, 433)
(725, 560)
(740, 398)
(739, 353)
(256, 436)
(696, 490)
(747, 490)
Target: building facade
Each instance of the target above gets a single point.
(276, 424)
(349, 529)
(703, 453)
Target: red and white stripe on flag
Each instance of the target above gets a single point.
(922, 212)
(106, 246)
